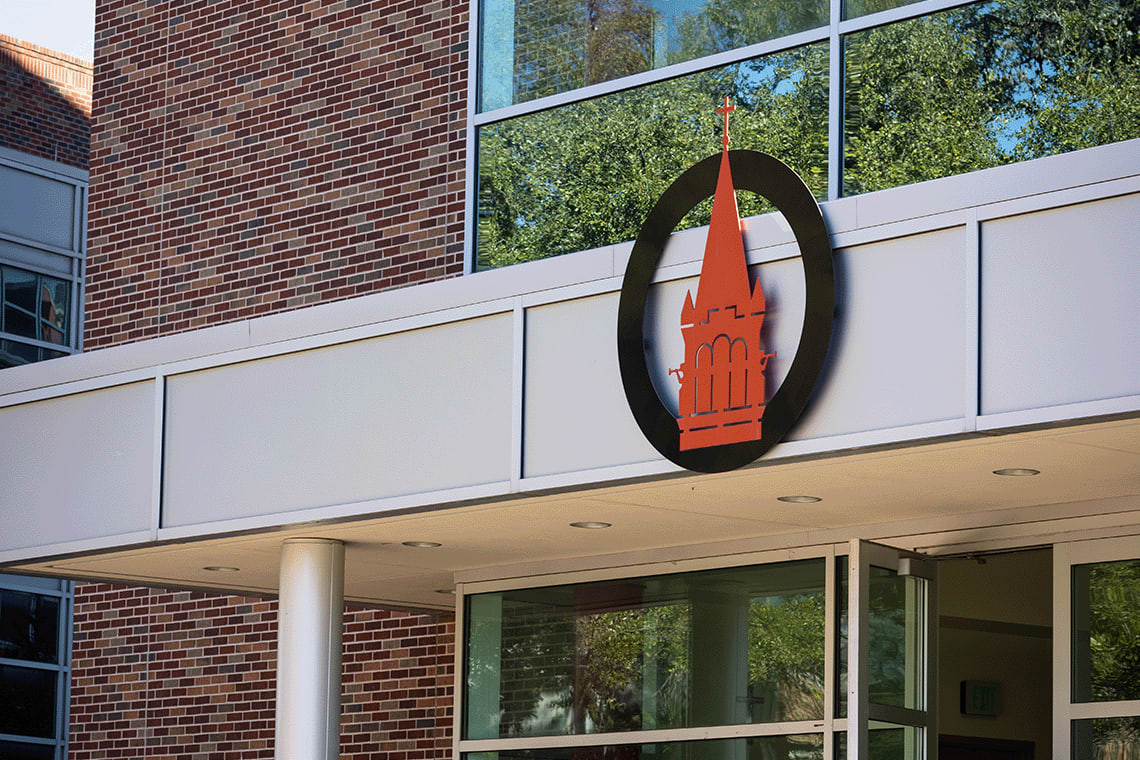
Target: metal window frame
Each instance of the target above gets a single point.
(1066, 556)
(828, 727)
(832, 33)
(65, 592)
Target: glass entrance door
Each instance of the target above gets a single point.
(1096, 650)
(890, 653)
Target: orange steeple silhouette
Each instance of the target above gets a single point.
(722, 378)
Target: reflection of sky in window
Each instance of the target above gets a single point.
(497, 22)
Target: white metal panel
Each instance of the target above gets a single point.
(898, 340)
(36, 207)
(575, 413)
(423, 410)
(1059, 306)
(76, 467)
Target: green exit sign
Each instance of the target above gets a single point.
(981, 698)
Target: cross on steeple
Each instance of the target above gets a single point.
(725, 111)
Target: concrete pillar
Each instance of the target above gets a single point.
(309, 627)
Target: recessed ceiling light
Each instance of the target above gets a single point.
(422, 544)
(1017, 472)
(799, 499)
(590, 525)
(221, 569)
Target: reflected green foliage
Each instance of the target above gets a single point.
(1114, 631)
(648, 653)
(959, 91)
(786, 654)
(988, 84)
(727, 24)
(560, 45)
(586, 175)
(1106, 739)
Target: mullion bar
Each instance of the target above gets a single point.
(738, 731)
(37, 343)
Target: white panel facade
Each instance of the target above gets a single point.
(898, 342)
(575, 413)
(77, 467)
(419, 411)
(1060, 306)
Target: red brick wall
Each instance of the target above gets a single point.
(249, 157)
(179, 674)
(45, 108)
(253, 156)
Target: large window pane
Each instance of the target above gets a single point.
(28, 697)
(29, 626)
(1106, 631)
(791, 747)
(886, 741)
(894, 640)
(533, 48)
(741, 645)
(1106, 739)
(988, 84)
(586, 175)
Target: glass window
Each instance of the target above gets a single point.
(20, 302)
(985, 85)
(1106, 633)
(28, 696)
(886, 741)
(53, 298)
(29, 626)
(534, 48)
(739, 645)
(894, 627)
(1106, 739)
(791, 747)
(970, 88)
(26, 751)
(585, 175)
(36, 307)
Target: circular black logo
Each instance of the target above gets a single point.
(775, 181)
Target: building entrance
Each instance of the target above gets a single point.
(995, 656)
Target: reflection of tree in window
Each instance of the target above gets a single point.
(585, 175)
(988, 84)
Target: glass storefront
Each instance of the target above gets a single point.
(588, 110)
(721, 647)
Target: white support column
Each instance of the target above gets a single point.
(309, 626)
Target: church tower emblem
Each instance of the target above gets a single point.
(726, 415)
(722, 395)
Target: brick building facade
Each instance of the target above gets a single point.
(46, 108)
(252, 158)
(248, 159)
(181, 674)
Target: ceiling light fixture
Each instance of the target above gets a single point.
(422, 544)
(1017, 472)
(799, 499)
(591, 525)
(221, 569)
